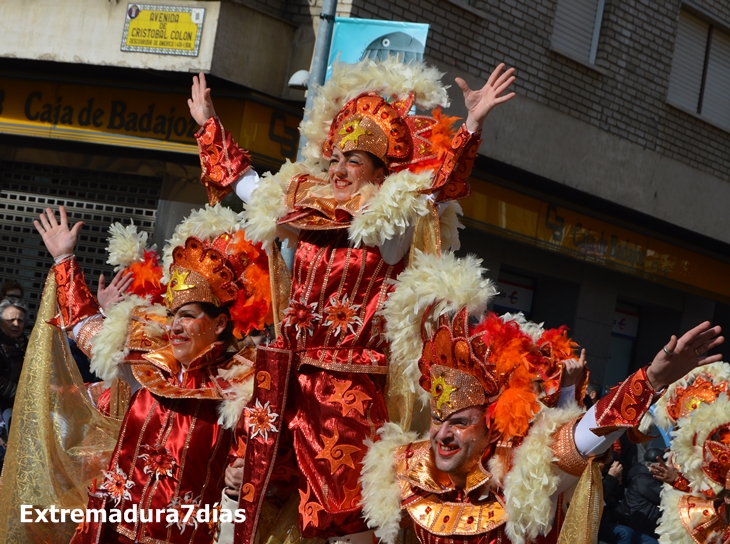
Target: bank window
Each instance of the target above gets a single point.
(700, 75)
(577, 28)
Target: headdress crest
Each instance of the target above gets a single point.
(366, 106)
(209, 260)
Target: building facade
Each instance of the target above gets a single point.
(599, 196)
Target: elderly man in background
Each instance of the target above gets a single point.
(13, 342)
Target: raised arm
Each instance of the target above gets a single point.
(481, 101)
(224, 166)
(75, 301)
(451, 180)
(59, 239)
(200, 102)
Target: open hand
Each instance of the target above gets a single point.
(108, 296)
(681, 355)
(664, 472)
(200, 103)
(57, 236)
(480, 102)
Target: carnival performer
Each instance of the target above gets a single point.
(189, 381)
(350, 210)
(497, 458)
(694, 503)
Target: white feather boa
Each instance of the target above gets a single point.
(236, 398)
(388, 211)
(206, 224)
(689, 438)
(390, 78)
(267, 204)
(453, 282)
(125, 245)
(379, 481)
(534, 479)
(530, 328)
(671, 529)
(393, 208)
(108, 346)
(716, 372)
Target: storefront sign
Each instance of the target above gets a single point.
(513, 297)
(553, 227)
(625, 324)
(139, 118)
(165, 30)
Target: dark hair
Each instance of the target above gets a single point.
(594, 386)
(10, 285)
(213, 311)
(378, 163)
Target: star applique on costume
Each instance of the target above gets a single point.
(261, 420)
(336, 455)
(442, 391)
(352, 132)
(349, 400)
(177, 283)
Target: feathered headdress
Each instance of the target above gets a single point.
(367, 106)
(209, 260)
(127, 250)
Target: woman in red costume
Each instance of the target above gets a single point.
(188, 380)
(371, 170)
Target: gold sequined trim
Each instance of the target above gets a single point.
(88, 330)
(569, 460)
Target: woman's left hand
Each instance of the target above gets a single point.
(480, 102)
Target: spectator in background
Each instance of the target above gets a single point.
(11, 289)
(610, 531)
(593, 393)
(640, 506)
(13, 342)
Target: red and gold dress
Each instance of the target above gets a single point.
(172, 450)
(319, 390)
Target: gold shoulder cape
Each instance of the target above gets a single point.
(58, 441)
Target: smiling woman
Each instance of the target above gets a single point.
(372, 169)
(189, 380)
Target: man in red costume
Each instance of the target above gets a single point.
(321, 387)
(186, 378)
(498, 455)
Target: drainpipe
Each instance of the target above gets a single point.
(319, 61)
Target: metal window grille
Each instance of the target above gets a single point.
(577, 27)
(96, 198)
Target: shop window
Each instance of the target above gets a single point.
(577, 28)
(700, 75)
(624, 331)
(515, 294)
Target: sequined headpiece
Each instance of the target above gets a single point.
(201, 272)
(366, 106)
(385, 129)
(701, 386)
(209, 260)
(494, 363)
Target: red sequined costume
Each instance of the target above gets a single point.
(174, 442)
(439, 512)
(320, 387)
(535, 443)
